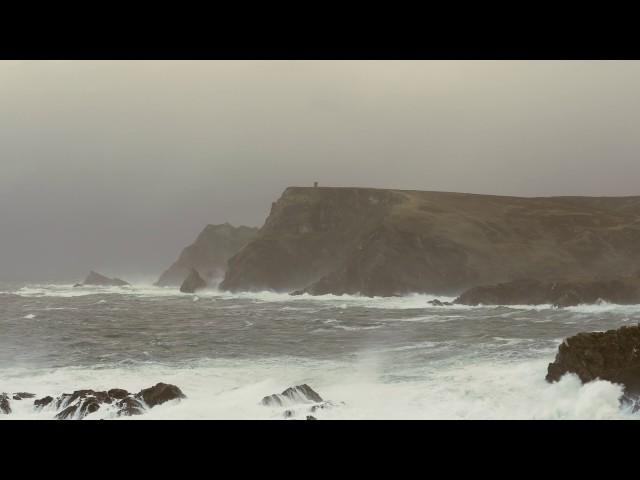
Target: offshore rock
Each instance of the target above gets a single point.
(97, 279)
(193, 282)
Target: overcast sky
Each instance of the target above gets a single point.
(116, 166)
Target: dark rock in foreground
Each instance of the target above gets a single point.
(5, 407)
(613, 356)
(96, 279)
(298, 394)
(311, 417)
(622, 290)
(193, 282)
(159, 393)
(81, 403)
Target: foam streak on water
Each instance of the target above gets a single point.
(383, 357)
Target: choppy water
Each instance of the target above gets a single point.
(385, 358)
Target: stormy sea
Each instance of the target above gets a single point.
(372, 358)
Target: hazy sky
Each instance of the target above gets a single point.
(116, 166)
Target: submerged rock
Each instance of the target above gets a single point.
(5, 407)
(298, 394)
(613, 355)
(193, 282)
(97, 279)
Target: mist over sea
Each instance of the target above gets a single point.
(375, 358)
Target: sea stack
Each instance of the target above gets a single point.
(97, 279)
(193, 282)
(208, 254)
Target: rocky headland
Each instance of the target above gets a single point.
(376, 242)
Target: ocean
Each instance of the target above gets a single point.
(373, 358)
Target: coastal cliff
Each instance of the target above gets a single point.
(379, 242)
(208, 255)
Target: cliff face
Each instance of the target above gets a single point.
(387, 242)
(208, 255)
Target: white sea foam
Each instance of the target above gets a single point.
(223, 389)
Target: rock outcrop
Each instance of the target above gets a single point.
(613, 355)
(23, 395)
(193, 282)
(298, 394)
(5, 406)
(96, 279)
(208, 255)
(391, 242)
(303, 397)
(623, 290)
(159, 394)
(81, 403)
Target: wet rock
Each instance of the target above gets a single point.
(23, 395)
(323, 405)
(193, 282)
(129, 406)
(5, 407)
(97, 279)
(81, 403)
(42, 402)
(208, 254)
(311, 417)
(77, 285)
(118, 393)
(298, 394)
(613, 355)
(438, 303)
(159, 393)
